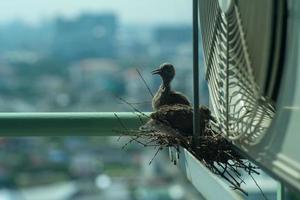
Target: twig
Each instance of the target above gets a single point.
(142, 78)
(265, 197)
(139, 103)
(236, 187)
(229, 174)
(141, 120)
(122, 125)
(158, 150)
(133, 107)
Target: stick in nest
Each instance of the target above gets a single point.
(214, 151)
(144, 81)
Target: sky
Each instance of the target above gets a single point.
(129, 11)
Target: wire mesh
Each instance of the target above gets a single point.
(243, 113)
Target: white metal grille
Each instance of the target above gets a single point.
(234, 69)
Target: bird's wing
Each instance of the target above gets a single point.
(176, 116)
(180, 98)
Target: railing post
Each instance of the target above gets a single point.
(196, 127)
(281, 191)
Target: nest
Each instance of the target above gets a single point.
(171, 126)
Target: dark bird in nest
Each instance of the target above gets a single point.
(164, 95)
(178, 117)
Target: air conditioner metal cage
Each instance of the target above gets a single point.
(238, 38)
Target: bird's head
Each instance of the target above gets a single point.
(166, 71)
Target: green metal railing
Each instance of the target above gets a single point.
(68, 124)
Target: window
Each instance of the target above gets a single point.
(61, 56)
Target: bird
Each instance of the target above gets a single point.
(172, 108)
(164, 95)
(178, 117)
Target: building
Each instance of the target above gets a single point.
(87, 36)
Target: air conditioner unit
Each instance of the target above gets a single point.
(252, 59)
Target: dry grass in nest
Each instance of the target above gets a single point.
(214, 151)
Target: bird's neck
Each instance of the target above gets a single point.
(166, 86)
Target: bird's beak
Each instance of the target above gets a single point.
(156, 71)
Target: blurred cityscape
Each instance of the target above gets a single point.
(84, 64)
(87, 168)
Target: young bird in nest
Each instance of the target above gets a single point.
(164, 95)
(172, 108)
